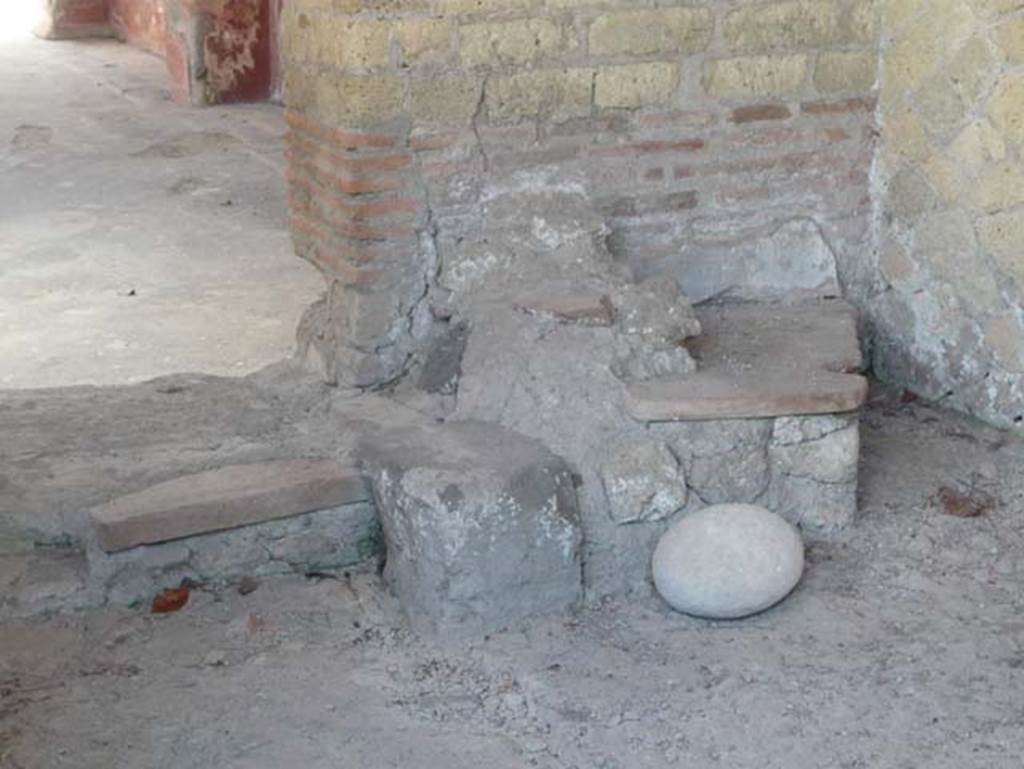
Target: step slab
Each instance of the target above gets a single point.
(225, 498)
(763, 360)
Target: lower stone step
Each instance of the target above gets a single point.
(319, 541)
(225, 498)
(761, 360)
(237, 521)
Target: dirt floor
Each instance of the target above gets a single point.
(137, 237)
(902, 647)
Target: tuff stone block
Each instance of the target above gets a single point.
(643, 32)
(481, 526)
(782, 26)
(756, 77)
(635, 85)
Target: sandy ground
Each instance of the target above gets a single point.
(903, 647)
(137, 237)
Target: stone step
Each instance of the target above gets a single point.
(225, 498)
(711, 395)
(763, 360)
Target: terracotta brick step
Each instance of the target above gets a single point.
(763, 360)
(712, 395)
(226, 498)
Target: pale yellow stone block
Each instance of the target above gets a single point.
(782, 26)
(1007, 107)
(550, 92)
(638, 33)
(636, 85)
(756, 76)
(515, 42)
(854, 72)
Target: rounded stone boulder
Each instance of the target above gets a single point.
(728, 561)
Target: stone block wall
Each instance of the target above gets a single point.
(949, 309)
(710, 134)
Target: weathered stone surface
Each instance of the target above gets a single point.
(644, 32)
(804, 468)
(481, 526)
(556, 381)
(793, 261)
(223, 499)
(629, 86)
(741, 475)
(755, 77)
(654, 321)
(728, 561)
(442, 364)
(657, 309)
(644, 482)
(830, 459)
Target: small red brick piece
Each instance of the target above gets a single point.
(859, 104)
(171, 600)
(759, 112)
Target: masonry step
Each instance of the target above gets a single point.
(225, 498)
(763, 360)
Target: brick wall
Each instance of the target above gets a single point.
(949, 307)
(703, 132)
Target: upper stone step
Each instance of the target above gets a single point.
(763, 360)
(709, 395)
(225, 498)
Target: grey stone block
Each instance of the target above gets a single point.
(481, 526)
(643, 482)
